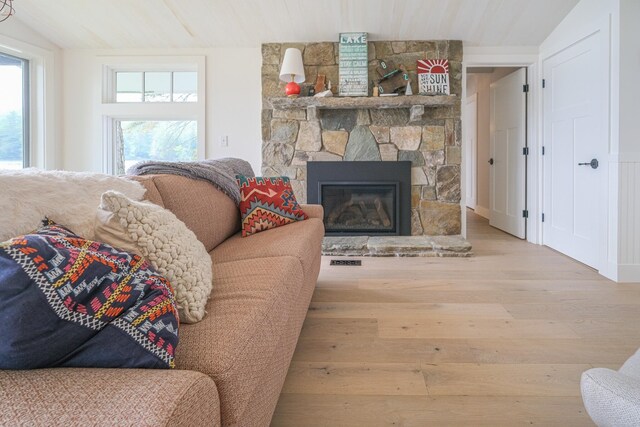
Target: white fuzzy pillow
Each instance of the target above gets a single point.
(158, 235)
(68, 198)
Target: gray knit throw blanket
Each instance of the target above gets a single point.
(221, 172)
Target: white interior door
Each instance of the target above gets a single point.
(573, 100)
(507, 173)
(471, 147)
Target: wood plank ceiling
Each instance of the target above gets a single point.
(247, 23)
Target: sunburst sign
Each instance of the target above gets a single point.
(433, 76)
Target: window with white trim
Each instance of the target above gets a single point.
(14, 112)
(152, 109)
(30, 97)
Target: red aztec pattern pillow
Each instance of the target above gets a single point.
(267, 203)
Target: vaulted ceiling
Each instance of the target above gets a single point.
(209, 23)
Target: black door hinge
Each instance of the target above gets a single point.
(525, 88)
(525, 151)
(542, 217)
(544, 83)
(543, 150)
(525, 214)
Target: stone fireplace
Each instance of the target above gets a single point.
(424, 131)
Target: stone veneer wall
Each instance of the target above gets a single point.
(431, 142)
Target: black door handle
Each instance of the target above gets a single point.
(491, 161)
(593, 163)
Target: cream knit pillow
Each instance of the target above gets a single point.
(172, 248)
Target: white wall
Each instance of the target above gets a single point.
(628, 156)
(48, 149)
(233, 103)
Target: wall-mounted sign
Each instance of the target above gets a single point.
(433, 76)
(353, 65)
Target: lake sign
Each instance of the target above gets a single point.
(353, 63)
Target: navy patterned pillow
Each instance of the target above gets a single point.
(68, 301)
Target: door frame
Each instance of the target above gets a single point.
(509, 57)
(472, 156)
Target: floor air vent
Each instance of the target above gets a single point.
(348, 262)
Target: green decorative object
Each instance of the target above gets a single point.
(392, 79)
(353, 65)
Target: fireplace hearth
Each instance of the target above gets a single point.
(362, 198)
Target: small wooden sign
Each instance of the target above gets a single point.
(353, 65)
(433, 77)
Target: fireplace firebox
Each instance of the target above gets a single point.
(362, 198)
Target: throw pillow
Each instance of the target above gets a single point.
(68, 301)
(68, 198)
(170, 246)
(267, 203)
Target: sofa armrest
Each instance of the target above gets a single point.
(122, 397)
(314, 211)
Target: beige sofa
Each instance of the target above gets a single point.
(230, 367)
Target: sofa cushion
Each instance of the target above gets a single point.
(153, 194)
(301, 240)
(267, 203)
(207, 211)
(74, 397)
(173, 249)
(248, 310)
(313, 211)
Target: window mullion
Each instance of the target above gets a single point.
(144, 89)
(26, 114)
(171, 87)
(152, 110)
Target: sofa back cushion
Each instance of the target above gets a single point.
(207, 211)
(152, 194)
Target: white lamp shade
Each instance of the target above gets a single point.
(292, 66)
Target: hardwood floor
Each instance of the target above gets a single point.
(497, 339)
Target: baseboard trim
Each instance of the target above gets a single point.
(483, 212)
(628, 273)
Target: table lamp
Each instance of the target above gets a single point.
(292, 71)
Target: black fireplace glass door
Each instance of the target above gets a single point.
(360, 208)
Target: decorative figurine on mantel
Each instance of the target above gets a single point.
(433, 77)
(292, 72)
(393, 80)
(409, 91)
(322, 89)
(321, 83)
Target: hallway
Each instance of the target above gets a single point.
(500, 338)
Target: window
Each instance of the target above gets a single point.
(156, 86)
(152, 110)
(14, 112)
(155, 140)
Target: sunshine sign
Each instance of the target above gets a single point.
(433, 76)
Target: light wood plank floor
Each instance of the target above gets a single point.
(497, 339)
